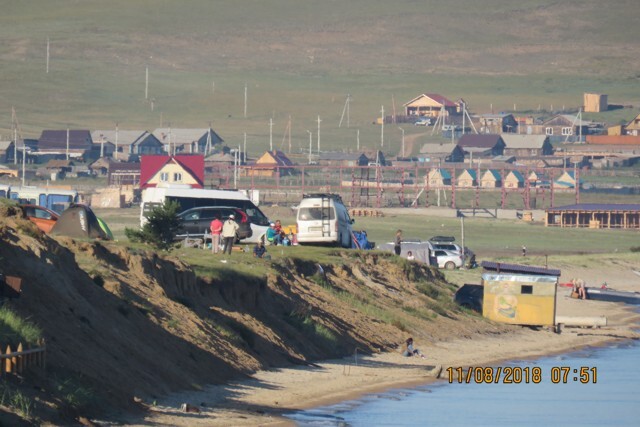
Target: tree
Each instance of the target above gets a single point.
(161, 227)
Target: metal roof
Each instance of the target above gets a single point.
(518, 268)
(597, 207)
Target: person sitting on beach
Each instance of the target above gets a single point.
(410, 350)
(410, 256)
(578, 290)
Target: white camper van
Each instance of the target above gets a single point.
(323, 218)
(189, 198)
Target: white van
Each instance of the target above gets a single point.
(323, 218)
(189, 198)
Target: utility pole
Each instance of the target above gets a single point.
(462, 240)
(245, 100)
(245, 147)
(67, 142)
(358, 139)
(24, 161)
(402, 130)
(270, 134)
(319, 135)
(382, 127)
(345, 109)
(116, 140)
(310, 142)
(146, 84)
(15, 135)
(47, 55)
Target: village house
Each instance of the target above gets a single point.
(124, 173)
(100, 167)
(491, 179)
(468, 179)
(566, 127)
(495, 123)
(431, 105)
(440, 153)
(187, 141)
(633, 127)
(57, 168)
(600, 155)
(74, 143)
(166, 170)
(438, 177)
(566, 180)
(130, 144)
(527, 145)
(271, 164)
(477, 146)
(343, 159)
(514, 179)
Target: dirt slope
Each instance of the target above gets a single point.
(126, 323)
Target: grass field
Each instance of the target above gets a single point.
(489, 238)
(301, 59)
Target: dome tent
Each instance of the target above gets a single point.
(79, 221)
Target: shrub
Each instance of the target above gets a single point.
(161, 227)
(14, 329)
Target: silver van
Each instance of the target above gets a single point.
(324, 219)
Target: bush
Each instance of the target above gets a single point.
(14, 329)
(161, 227)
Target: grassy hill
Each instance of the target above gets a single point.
(301, 59)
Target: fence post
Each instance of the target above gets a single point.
(8, 362)
(19, 359)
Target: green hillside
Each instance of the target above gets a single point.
(301, 59)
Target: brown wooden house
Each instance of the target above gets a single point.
(270, 164)
(527, 145)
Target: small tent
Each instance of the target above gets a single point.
(79, 221)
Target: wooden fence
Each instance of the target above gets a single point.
(16, 362)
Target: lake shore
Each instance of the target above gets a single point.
(267, 395)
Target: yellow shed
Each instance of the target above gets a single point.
(519, 295)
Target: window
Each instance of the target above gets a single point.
(567, 131)
(526, 289)
(548, 131)
(177, 177)
(309, 214)
(164, 176)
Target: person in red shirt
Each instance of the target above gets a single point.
(216, 229)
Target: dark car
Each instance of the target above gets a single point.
(196, 222)
(470, 296)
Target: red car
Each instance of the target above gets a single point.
(44, 218)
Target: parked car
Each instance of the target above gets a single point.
(423, 122)
(195, 222)
(470, 296)
(42, 217)
(446, 243)
(324, 219)
(447, 259)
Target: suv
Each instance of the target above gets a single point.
(447, 259)
(195, 222)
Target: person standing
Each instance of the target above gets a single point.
(216, 229)
(229, 229)
(397, 243)
(524, 250)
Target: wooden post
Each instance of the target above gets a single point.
(19, 360)
(8, 362)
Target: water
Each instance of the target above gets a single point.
(614, 400)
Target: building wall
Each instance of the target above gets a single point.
(171, 170)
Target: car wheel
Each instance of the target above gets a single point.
(450, 265)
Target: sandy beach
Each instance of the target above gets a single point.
(262, 399)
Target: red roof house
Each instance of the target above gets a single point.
(156, 170)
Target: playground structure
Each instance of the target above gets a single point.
(401, 186)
